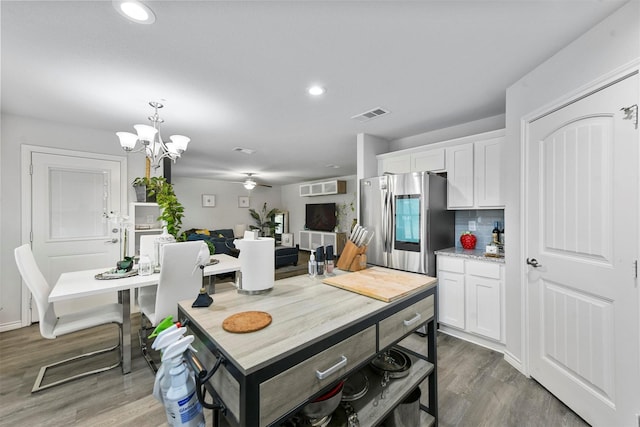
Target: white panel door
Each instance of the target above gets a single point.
(70, 197)
(582, 229)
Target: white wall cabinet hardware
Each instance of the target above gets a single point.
(473, 174)
(309, 240)
(470, 296)
(323, 188)
(144, 220)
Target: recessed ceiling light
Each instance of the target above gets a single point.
(135, 11)
(316, 90)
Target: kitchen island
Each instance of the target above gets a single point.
(319, 335)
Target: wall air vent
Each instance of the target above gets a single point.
(371, 114)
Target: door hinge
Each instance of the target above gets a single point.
(631, 113)
(31, 236)
(31, 169)
(635, 269)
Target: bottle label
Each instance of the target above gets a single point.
(186, 412)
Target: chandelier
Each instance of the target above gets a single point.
(151, 141)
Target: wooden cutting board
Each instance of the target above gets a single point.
(381, 283)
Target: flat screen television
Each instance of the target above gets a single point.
(320, 216)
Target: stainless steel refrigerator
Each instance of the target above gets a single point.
(409, 215)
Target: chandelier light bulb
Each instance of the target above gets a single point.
(180, 142)
(249, 184)
(146, 132)
(127, 140)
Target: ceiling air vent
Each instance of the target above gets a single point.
(244, 150)
(371, 114)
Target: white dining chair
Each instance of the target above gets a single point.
(52, 326)
(180, 279)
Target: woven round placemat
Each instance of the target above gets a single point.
(246, 321)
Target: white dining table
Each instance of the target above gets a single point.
(77, 284)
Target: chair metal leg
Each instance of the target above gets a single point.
(38, 384)
(143, 337)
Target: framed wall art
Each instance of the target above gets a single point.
(208, 201)
(243, 201)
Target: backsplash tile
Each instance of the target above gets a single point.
(485, 220)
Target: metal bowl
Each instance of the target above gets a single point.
(324, 405)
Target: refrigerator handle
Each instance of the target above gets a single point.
(388, 221)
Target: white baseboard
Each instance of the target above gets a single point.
(515, 362)
(487, 343)
(10, 326)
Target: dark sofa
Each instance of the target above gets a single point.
(221, 239)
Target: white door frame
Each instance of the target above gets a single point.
(594, 86)
(26, 152)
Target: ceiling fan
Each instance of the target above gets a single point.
(251, 183)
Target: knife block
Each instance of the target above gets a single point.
(353, 258)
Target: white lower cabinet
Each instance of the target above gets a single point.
(470, 296)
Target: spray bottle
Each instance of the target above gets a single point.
(163, 379)
(182, 403)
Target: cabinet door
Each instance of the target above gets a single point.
(459, 160)
(488, 164)
(304, 240)
(330, 187)
(329, 239)
(429, 161)
(396, 164)
(317, 189)
(305, 190)
(483, 306)
(316, 240)
(451, 299)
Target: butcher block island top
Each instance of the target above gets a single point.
(304, 310)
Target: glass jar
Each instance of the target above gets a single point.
(144, 266)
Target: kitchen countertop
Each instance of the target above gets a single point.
(470, 254)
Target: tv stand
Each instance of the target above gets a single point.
(309, 240)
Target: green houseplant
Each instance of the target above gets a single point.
(172, 210)
(264, 220)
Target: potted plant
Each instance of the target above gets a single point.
(172, 210)
(140, 186)
(264, 220)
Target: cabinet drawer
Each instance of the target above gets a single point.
(489, 270)
(292, 387)
(449, 263)
(407, 320)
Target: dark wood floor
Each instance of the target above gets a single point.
(476, 387)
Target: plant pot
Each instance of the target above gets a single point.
(141, 193)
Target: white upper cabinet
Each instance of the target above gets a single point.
(323, 188)
(473, 174)
(427, 160)
(488, 154)
(473, 165)
(460, 178)
(395, 164)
